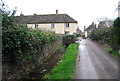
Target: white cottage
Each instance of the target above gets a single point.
(58, 23)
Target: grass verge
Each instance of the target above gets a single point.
(112, 51)
(66, 68)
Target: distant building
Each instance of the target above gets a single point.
(119, 9)
(78, 32)
(88, 31)
(57, 23)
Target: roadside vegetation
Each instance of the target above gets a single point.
(112, 51)
(110, 37)
(68, 39)
(19, 42)
(66, 68)
(22, 45)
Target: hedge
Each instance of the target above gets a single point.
(68, 39)
(110, 36)
(21, 43)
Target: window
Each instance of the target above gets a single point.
(36, 25)
(67, 25)
(26, 25)
(67, 32)
(52, 25)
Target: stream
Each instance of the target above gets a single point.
(48, 65)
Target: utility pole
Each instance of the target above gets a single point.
(119, 9)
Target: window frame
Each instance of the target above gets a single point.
(52, 25)
(67, 25)
(36, 25)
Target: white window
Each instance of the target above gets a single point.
(36, 25)
(67, 25)
(53, 25)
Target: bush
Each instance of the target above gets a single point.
(110, 36)
(96, 34)
(21, 43)
(116, 31)
(68, 39)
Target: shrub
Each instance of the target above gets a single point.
(96, 34)
(21, 43)
(68, 39)
(109, 36)
(116, 31)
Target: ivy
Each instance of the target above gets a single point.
(21, 43)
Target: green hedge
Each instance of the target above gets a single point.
(110, 36)
(21, 43)
(68, 39)
(96, 35)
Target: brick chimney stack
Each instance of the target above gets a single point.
(56, 11)
(21, 14)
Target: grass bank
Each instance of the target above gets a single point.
(112, 51)
(66, 68)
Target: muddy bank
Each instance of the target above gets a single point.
(48, 65)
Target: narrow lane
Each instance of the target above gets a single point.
(94, 62)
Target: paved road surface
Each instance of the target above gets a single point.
(94, 62)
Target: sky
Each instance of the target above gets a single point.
(83, 11)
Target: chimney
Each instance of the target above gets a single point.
(56, 11)
(21, 14)
(84, 27)
(35, 14)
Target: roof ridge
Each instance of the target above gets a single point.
(43, 14)
(46, 18)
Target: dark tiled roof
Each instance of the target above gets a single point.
(51, 18)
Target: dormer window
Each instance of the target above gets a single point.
(67, 25)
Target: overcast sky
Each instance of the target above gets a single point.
(84, 11)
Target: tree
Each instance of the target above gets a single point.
(116, 31)
(96, 34)
(6, 16)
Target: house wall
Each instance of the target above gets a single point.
(31, 26)
(72, 28)
(86, 34)
(59, 28)
(46, 26)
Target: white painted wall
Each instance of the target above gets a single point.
(59, 28)
(46, 26)
(31, 26)
(86, 34)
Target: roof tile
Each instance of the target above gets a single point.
(51, 18)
